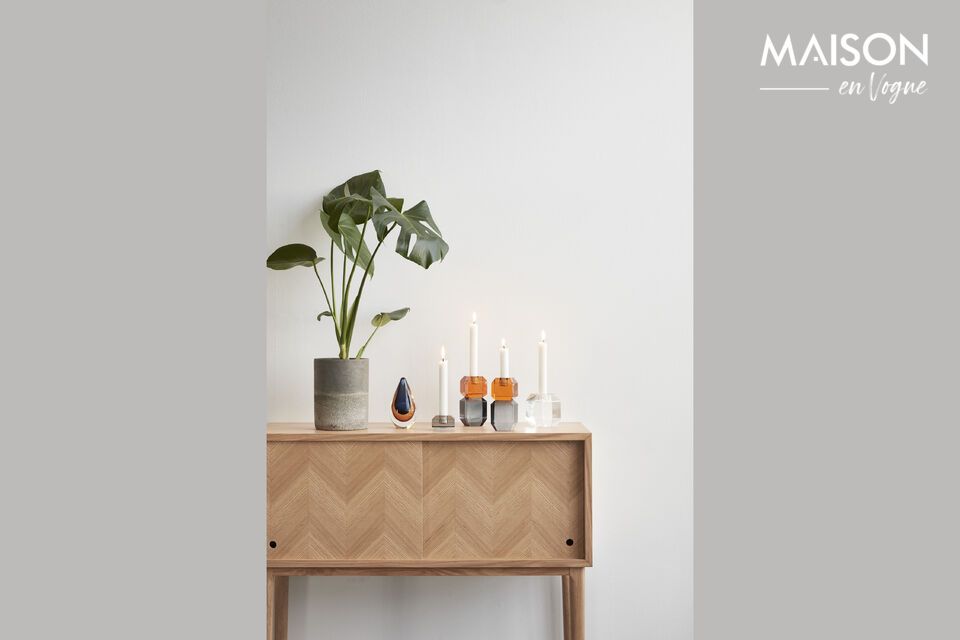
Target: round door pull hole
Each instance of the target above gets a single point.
(273, 544)
(569, 542)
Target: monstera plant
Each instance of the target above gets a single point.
(356, 215)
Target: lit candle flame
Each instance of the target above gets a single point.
(443, 353)
(543, 336)
(503, 343)
(474, 317)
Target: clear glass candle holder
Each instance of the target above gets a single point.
(542, 410)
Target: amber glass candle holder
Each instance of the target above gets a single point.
(473, 404)
(504, 412)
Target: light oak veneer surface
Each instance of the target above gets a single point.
(424, 501)
(468, 496)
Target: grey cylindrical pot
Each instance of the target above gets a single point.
(341, 394)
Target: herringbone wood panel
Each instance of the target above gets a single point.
(511, 500)
(344, 500)
(429, 501)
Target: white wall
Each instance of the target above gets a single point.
(553, 142)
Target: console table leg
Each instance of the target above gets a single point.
(573, 621)
(277, 587)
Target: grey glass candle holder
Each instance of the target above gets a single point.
(473, 411)
(505, 412)
(473, 404)
(542, 409)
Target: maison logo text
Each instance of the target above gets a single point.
(886, 55)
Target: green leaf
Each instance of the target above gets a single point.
(387, 317)
(429, 247)
(356, 208)
(382, 221)
(416, 221)
(352, 198)
(293, 255)
(325, 313)
(347, 237)
(358, 185)
(421, 213)
(397, 203)
(347, 207)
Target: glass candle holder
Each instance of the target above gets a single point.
(542, 409)
(473, 404)
(504, 413)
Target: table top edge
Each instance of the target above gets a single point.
(305, 431)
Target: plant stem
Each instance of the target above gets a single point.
(352, 315)
(346, 291)
(333, 288)
(360, 353)
(325, 297)
(356, 258)
(343, 290)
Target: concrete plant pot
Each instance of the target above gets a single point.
(341, 394)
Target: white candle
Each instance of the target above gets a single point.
(474, 347)
(444, 408)
(504, 359)
(542, 379)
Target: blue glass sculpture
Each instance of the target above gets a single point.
(403, 407)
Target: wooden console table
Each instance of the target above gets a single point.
(424, 501)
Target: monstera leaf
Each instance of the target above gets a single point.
(347, 237)
(293, 255)
(357, 185)
(353, 208)
(429, 247)
(415, 221)
(353, 199)
(386, 317)
(345, 209)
